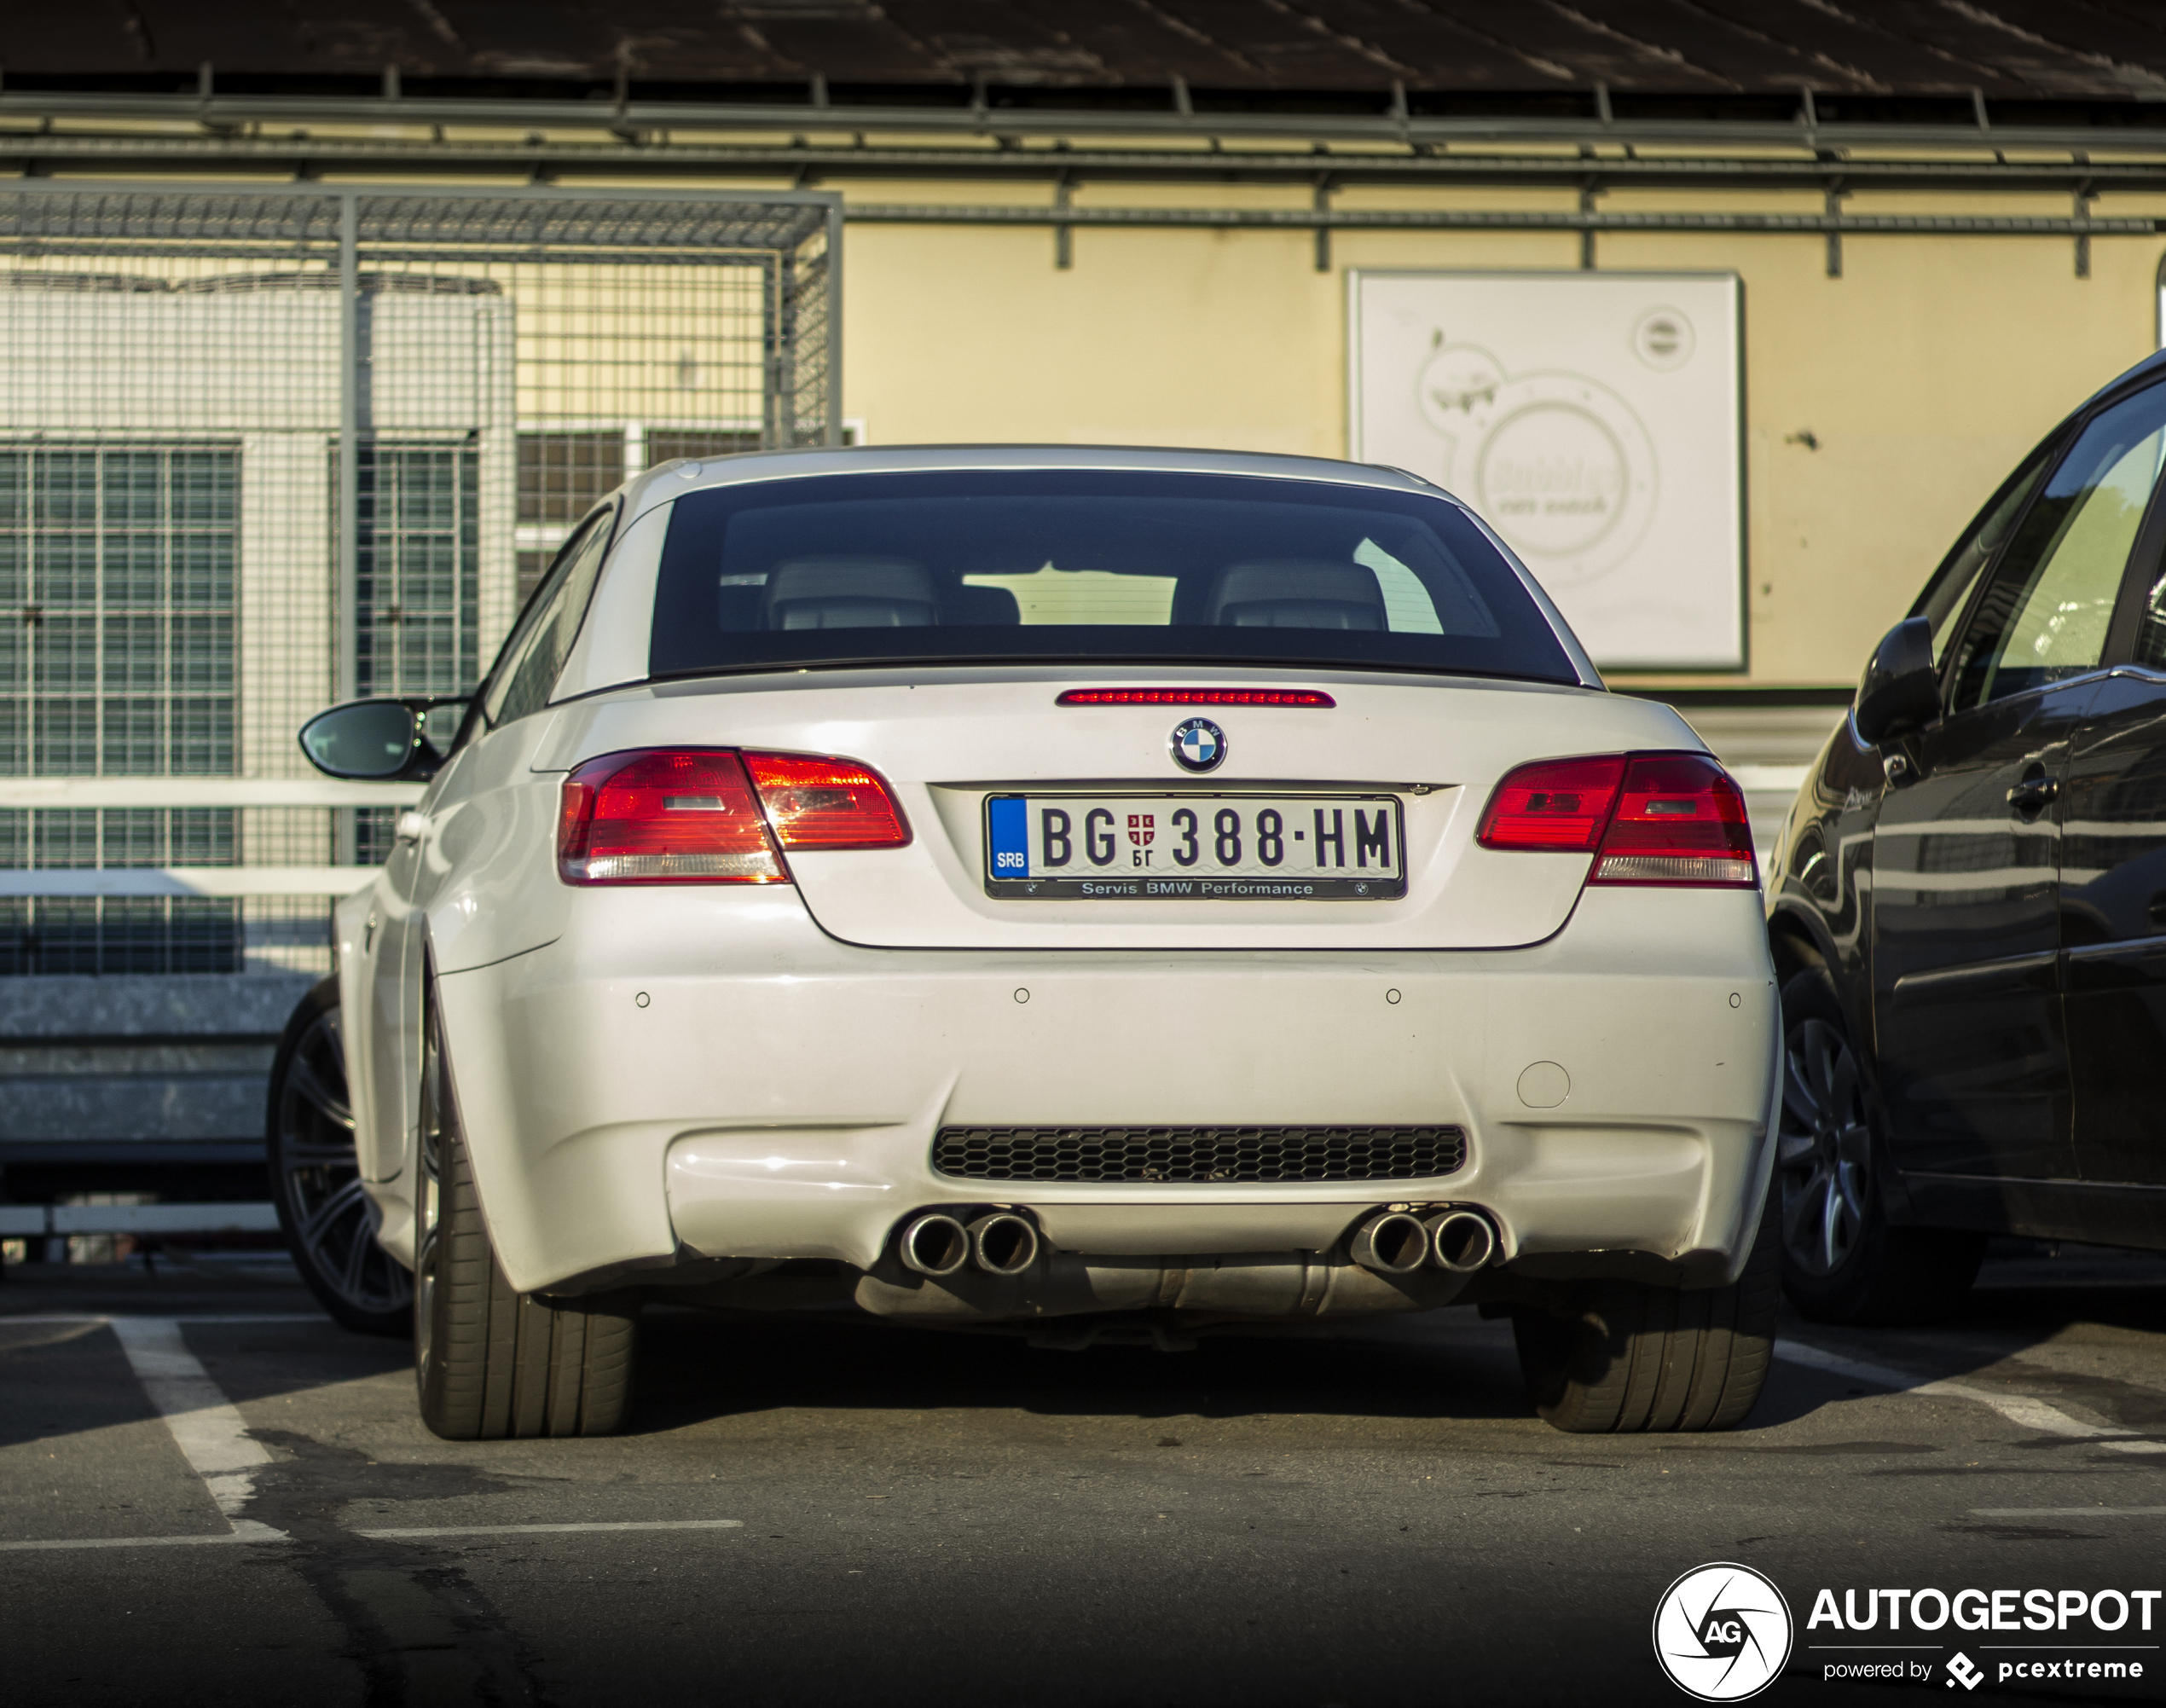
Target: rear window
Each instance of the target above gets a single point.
(937, 568)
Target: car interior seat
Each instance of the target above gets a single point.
(850, 593)
(1296, 592)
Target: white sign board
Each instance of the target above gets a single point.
(1592, 421)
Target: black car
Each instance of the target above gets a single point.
(1967, 904)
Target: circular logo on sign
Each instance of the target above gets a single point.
(1557, 463)
(1566, 472)
(1722, 1632)
(1198, 744)
(1663, 339)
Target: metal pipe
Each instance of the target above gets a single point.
(236, 113)
(347, 663)
(1494, 219)
(76, 151)
(934, 1244)
(1391, 1242)
(1461, 1240)
(1003, 1243)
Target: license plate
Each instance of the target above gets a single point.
(1195, 847)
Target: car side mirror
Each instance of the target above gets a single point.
(1900, 690)
(383, 741)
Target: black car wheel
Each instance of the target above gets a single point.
(1842, 1260)
(329, 1223)
(490, 1361)
(1627, 1357)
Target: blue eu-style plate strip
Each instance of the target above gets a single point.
(1007, 818)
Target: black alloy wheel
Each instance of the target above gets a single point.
(1843, 1261)
(1824, 1152)
(329, 1223)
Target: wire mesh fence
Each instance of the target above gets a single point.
(262, 450)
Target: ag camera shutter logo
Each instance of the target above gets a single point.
(1722, 1632)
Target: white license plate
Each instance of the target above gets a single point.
(1195, 847)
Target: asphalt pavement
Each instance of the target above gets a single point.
(210, 1493)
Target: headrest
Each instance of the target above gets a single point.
(983, 607)
(850, 593)
(1296, 592)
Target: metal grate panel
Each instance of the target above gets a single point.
(264, 448)
(1198, 1154)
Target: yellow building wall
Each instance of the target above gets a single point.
(1920, 375)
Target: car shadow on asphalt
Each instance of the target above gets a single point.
(697, 1366)
(1447, 1365)
(2032, 1294)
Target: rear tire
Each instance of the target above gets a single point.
(490, 1362)
(1624, 1357)
(1842, 1261)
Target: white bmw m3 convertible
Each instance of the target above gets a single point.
(1085, 893)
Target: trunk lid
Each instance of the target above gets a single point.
(1427, 749)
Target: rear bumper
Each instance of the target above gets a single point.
(704, 1073)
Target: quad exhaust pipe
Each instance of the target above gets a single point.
(1004, 1243)
(1461, 1240)
(999, 1242)
(934, 1244)
(1392, 1242)
(1397, 1242)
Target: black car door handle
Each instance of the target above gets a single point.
(2033, 794)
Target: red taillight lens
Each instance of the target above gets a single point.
(675, 815)
(826, 803)
(1559, 806)
(1681, 820)
(1648, 818)
(1195, 697)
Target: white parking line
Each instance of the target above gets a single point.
(2017, 1408)
(552, 1529)
(234, 1534)
(50, 1317)
(2070, 1512)
(205, 1424)
(246, 1532)
(212, 1435)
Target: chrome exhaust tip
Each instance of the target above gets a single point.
(1391, 1242)
(1461, 1241)
(1003, 1243)
(934, 1244)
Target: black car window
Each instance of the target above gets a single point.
(528, 667)
(1945, 596)
(2150, 627)
(1027, 564)
(2044, 614)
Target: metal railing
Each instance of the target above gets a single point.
(82, 792)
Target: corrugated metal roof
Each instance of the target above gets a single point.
(2035, 49)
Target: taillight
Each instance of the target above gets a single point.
(1559, 806)
(713, 815)
(1680, 819)
(826, 803)
(675, 815)
(1649, 818)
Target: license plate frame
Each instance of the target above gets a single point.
(1006, 826)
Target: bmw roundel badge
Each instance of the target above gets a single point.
(1199, 744)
